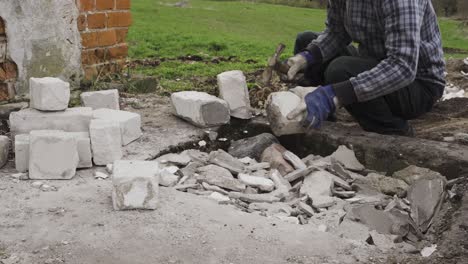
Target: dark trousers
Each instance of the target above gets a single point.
(385, 115)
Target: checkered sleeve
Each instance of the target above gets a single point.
(403, 19)
(335, 37)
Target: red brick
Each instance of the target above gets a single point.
(104, 4)
(87, 5)
(122, 4)
(121, 34)
(98, 39)
(95, 56)
(4, 94)
(82, 22)
(97, 20)
(119, 19)
(8, 71)
(90, 73)
(118, 52)
(2, 27)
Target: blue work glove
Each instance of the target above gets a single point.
(320, 104)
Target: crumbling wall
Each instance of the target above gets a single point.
(104, 26)
(8, 69)
(42, 40)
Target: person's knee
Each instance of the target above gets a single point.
(303, 39)
(338, 70)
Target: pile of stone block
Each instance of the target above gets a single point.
(51, 140)
(204, 110)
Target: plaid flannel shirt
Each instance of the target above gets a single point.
(402, 34)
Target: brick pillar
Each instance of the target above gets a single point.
(103, 25)
(8, 69)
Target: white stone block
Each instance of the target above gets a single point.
(200, 109)
(49, 94)
(279, 105)
(130, 123)
(71, 120)
(84, 149)
(135, 185)
(233, 89)
(4, 150)
(101, 99)
(53, 155)
(22, 152)
(106, 141)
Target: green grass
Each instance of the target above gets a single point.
(246, 30)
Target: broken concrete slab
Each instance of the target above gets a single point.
(196, 155)
(223, 159)
(182, 159)
(274, 155)
(387, 185)
(279, 105)
(383, 242)
(75, 119)
(255, 198)
(412, 174)
(271, 209)
(49, 94)
(297, 174)
(22, 152)
(297, 163)
(200, 109)
(306, 209)
(61, 160)
(220, 198)
(5, 144)
(252, 147)
(263, 184)
(347, 158)
(426, 197)
(106, 141)
(101, 99)
(130, 123)
(219, 176)
(84, 149)
(353, 230)
(167, 178)
(214, 188)
(232, 87)
(374, 219)
(258, 167)
(318, 187)
(135, 185)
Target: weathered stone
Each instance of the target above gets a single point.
(191, 169)
(223, 159)
(271, 208)
(318, 186)
(344, 194)
(135, 185)
(279, 105)
(167, 178)
(413, 173)
(220, 198)
(306, 209)
(258, 182)
(49, 94)
(258, 166)
(106, 141)
(101, 99)
(176, 159)
(297, 174)
(426, 197)
(274, 155)
(382, 242)
(4, 150)
(71, 120)
(213, 188)
(347, 158)
(84, 149)
(233, 89)
(354, 231)
(386, 185)
(341, 183)
(374, 219)
(255, 198)
(281, 184)
(130, 123)
(196, 155)
(294, 160)
(53, 155)
(200, 109)
(252, 147)
(220, 177)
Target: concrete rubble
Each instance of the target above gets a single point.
(233, 89)
(252, 147)
(101, 99)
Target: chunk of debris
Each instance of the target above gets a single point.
(297, 174)
(4, 150)
(413, 173)
(196, 155)
(387, 185)
(305, 208)
(109, 168)
(374, 219)
(287, 219)
(22, 152)
(258, 182)
(274, 155)
(258, 166)
(101, 99)
(281, 184)
(130, 123)
(271, 208)
(255, 198)
(191, 169)
(318, 186)
(200, 109)
(71, 120)
(20, 176)
(347, 158)
(202, 143)
(247, 160)
(252, 147)
(100, 175)
(167, 178)
(297, 163)
(381, 241)
(233, 89)
(344, 194)
(426, 197)
(49, 94)
(428, 251)
(135, 185)
(62, 156)
(278, 106)
(213, 188)
(219, 197)
(219, 176)
(182, 159)
(353, 230)
(106, 141)
(223, 159)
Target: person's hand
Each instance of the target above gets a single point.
(298, 64)
(316, 107)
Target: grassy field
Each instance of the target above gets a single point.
(247, 31)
